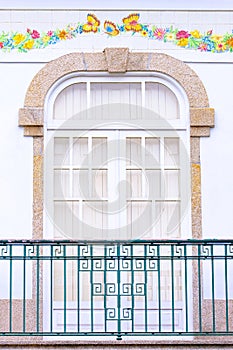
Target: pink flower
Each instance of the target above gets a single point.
(28, 30)
(182, 34)
(50, 33)
(159, 33)
(69, 36)
(35, 34)
(202, 47)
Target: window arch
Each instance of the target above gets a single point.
(136, 123)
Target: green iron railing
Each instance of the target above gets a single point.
(116, 288)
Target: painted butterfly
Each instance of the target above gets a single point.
(92, 24)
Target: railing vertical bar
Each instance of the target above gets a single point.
(199, 287)
(172, 282)
(105, 288)
(92, 288)
(226, 289)
(78, 288)
(10, 291)
(132, 284)
(186, 289)
(119, 337)
(213, 286)
(37, 289)
(64, 286)
(159, 288)
(24, 288)
(51, 288)
(145, 284)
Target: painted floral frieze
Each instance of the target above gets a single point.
(194, 39)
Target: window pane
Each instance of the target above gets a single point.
(134, 182)
(70, 102)
(80, 184)
(61, 183)
(152, 156)
(61, 151)
(134, 151)
(80, 151)
(153, 178)
(170, 220)
(171, 152)
(162, 101)
(99, 151)
(99, 183)
(125, 95)
(172, 184)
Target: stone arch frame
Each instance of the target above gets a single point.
(116, 60)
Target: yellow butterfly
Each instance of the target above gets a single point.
(92, 24)
(110, 28)
(131, 22)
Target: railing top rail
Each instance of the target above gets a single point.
(210, 241)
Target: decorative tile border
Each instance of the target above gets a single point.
(194, 39)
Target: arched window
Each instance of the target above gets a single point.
(117, 157)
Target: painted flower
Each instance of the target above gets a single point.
(18, 38)
(144, 33)
(170, 36)
(71, 28)
(230, 42)
(69, 36)
(1, 45)
(182, 42)
(50, 33)
(203, 47)
(196, 34)
(159, 33)
(131, 22)
(62, 34)
(46, 38)
(182, 34)
(28, 45)
(221, 47)
(35, 34)
(216, 38)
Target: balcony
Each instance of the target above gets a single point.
(120, 289)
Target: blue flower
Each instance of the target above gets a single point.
(53, 40)
(121, 28)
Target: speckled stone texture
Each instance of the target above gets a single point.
(115, 345)
(117, 59)
(38, 157)
(31, 116)
(33, 131)
(196, 201)
(183, 74)
(81, 62)
(203, 131)
(202, 117)
(195, 149)
(58, 68)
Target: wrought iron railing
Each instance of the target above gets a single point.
(123, 288)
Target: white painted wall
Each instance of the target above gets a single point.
(17, 70)
(15, 153)
(217, 152)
